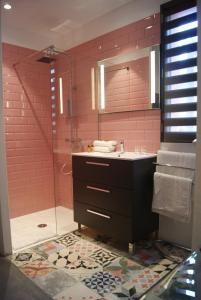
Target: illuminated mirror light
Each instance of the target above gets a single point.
(61, 95)
(182, 28)
(102, 86)
(93, 103)
(181, 57)
(153, 76)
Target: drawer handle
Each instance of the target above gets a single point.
(97, 164)
(89, 187)
(98, 214)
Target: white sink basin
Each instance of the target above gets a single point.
(117, 155)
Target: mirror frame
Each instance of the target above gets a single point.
(153, 52)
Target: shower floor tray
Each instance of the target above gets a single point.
(25, 230)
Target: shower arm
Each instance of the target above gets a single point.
(37, 53)
(29, 56)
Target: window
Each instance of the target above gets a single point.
(179, 70)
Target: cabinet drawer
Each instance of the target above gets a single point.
(104, 171)
(102, 196)
(107, 222)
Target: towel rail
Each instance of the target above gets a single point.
(174, 166)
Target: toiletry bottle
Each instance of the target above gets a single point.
(122, 146)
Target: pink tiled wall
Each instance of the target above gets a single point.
(139, 129)
(28, 133)
(29, 155)
(127, 86)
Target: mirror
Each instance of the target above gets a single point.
(129, 81)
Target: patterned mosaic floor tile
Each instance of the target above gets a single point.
(163, 267)
(124, 268)
(75, 266)
(140, 283)
(24, 257)
(68, 239)
(48, 248)
(37, 268)
(82, 272)
(77, 292)
(55, 282)
(84, 248)
(102, 282)
(103, 257)
(71, 260)
(147, 256)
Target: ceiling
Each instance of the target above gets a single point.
(37, 24)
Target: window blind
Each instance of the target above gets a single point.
(179, 71)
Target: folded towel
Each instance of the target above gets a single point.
(172, 196)
(179, 159)
(104, 149)
(104, 143)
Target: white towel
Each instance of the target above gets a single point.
(179, 159)
(104, 149)
(104, 143)
(172, 196)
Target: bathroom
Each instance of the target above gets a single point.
(52, 108)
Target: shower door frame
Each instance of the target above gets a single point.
(5, 230)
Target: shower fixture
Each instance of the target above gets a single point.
(49, 55)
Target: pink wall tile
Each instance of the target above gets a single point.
(29, 158)
(30, 167)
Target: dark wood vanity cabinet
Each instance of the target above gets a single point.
(114, 196)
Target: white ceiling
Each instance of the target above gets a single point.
(37, 24)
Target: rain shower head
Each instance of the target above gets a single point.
(46, 59)
(49, 55)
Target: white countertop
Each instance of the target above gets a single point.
(117, 155)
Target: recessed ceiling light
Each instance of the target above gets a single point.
(7, 5)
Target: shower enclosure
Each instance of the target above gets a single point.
(40, 136)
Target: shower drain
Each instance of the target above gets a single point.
(42, 225)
